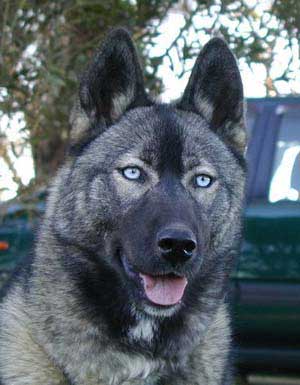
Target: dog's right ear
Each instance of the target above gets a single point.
(111, 85)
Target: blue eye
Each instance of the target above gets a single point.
(131, 173)
(203, 180)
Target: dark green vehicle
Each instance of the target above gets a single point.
(18, 225)
(266, 283)
(267, 279)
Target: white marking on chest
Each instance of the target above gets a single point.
(143, 330)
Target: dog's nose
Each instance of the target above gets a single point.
(177, 244)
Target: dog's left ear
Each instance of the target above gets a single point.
(111, 84)
(215, 92)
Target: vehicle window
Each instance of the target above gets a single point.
(285, 179)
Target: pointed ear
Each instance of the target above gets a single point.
(215, 92)
(111, 84)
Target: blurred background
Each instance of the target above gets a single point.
(44, 45)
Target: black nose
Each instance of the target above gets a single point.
(177, 244)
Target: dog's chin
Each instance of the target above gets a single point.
(161, 312)
(144, 300)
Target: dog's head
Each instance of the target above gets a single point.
(153, 192)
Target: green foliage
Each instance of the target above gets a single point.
(288, 12)
(45, 45)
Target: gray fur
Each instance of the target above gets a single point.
(52, 333)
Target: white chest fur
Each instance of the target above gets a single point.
(144, 330)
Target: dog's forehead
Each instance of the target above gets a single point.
(169, 138)
(164, 146)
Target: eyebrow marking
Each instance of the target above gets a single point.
(202, 166)
(132, 160)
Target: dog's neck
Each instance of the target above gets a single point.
(158, 336)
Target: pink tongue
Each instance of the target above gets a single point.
(164, 290)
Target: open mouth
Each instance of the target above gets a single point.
(160, 289)
(164, 290)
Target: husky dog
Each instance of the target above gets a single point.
(143, 222)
